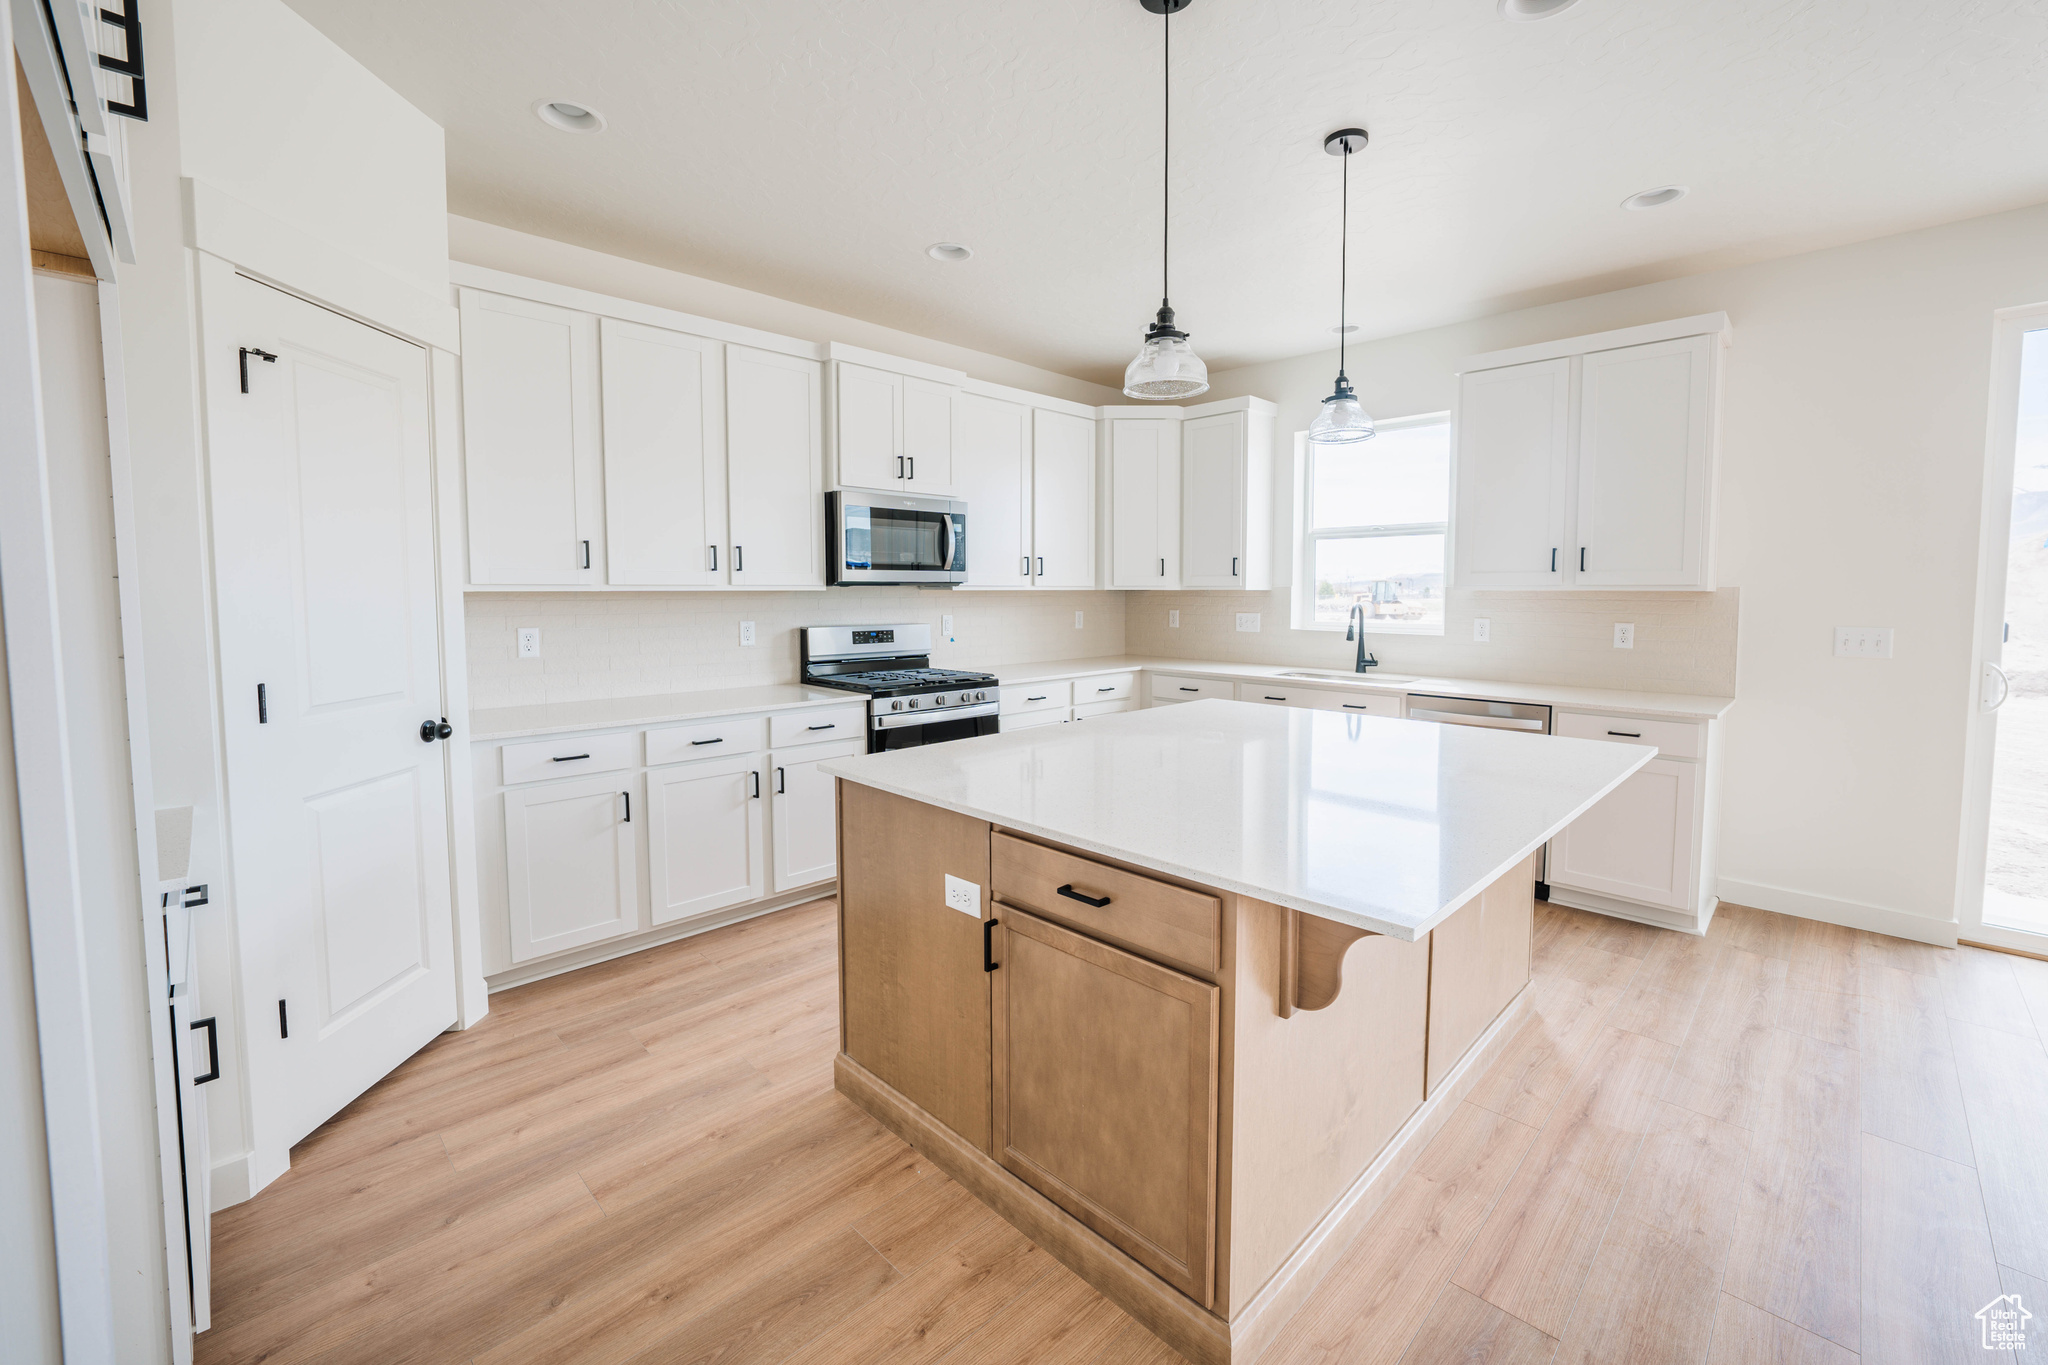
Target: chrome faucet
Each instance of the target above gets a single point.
(1355, 630)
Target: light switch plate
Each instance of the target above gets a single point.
(1077, 620)
(1248, 620)
(963, 896)
(1173, 620)
(529, 642)
(1863, 642)
(946, 627)
(1624, 635)
(1482, 630)
(746, 632)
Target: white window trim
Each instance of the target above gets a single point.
(1303, 609)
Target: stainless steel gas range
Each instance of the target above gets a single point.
(909, 702)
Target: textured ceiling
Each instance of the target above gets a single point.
(811, 149)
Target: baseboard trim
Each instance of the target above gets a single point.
(526, 974)
(1200, 1335)
(1282, 1296)
(232, 1181)
(1848, 914)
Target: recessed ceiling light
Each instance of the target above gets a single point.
(948, 251)
(568, 116)
(1653, 199)
(1522, 11)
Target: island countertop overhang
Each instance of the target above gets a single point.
(1384, 825)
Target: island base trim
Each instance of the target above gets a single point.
(1196, 1333)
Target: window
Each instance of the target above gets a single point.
(1372, 522)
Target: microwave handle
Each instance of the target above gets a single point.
(948, 517)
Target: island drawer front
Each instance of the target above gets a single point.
(815, 727)
(1150, 916)
(1109, 687)
(1105, 708)
(713, 740)
(545, 758)
(1176, 687)
(1673, 738)
(1021, 697)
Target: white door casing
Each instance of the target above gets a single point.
(705, 847)
(664, 456)
(571, 863)
(323, 545)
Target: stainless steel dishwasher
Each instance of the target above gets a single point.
(1493, 715)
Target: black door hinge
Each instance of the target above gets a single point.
(265, 356)
(130, 65)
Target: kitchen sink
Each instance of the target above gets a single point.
(1332, 675)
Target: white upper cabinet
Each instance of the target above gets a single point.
(531, 442)
(1062, 507)
(1144, 501)
(664, 457)
(892, 431)
(993, 454)
(1226, 531)
(774, 469)
(1589, 463)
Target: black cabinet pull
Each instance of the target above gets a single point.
(1582, 559)
(739, 559)
(1041, 566)
(833, 726)
(212, 1048)
(757, 784)
(629, 806)
(586, 554)
(988, 944)
(1627, 734)
(1162, 568)
(284, 1023)
(899, 466)
(1071, 894)
(1354, 706)
(1276, 699)
(1553, 559)
(695, 742)
(1111, 688)
(262, 703)
(1191, 689)
(1039, 698)
(913, 469)
(568, 758)
(714, 559)
(1233, 566)
(780, 789)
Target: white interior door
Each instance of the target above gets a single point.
(329, 662)
(1212, 501)
(664, 456)
(1644, 452)
(994, 466)
(1062, 513)
(571, 864)
(775, 469)
(705, 849)
(1511, 453)
(807, 815)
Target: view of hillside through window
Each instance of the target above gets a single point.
(2016, 876)
(1377, 516)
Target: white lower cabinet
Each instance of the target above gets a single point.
(805, 803)
(707, 848)
(1638, 842)
(1323, 699)
(571, 864)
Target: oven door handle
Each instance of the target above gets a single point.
(895, 720)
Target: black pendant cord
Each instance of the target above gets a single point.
(1166, 156)
(1343, 267)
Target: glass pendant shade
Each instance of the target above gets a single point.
(1342, 420)
(1167, 366)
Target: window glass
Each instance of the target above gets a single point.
(1373, 535)
(1396, 579)
(1401, 476)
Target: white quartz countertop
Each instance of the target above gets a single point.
(1386, 825)
(516, 722)
(1664, 705)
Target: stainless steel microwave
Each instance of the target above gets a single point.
(886, 538)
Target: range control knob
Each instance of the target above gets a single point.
(913, 703)
(939, 700)
(895, 706)
(981, 696)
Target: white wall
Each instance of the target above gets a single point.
(500, 248)
(1851, 471)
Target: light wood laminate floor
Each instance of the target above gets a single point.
(1785, 1142)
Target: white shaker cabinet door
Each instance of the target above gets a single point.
(1144, 503)
(530, 442)
(867, 426)
(706, 848)
(992, 458)
(1512, 457)
(806, 813)
(928, 435)
(664, 457)
(1213, 501)
(1062, 511)
(1645, 455)
(775, 469)
(1637, 842)
(571, 863)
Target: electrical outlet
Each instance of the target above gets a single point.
(1173, 620)
(1624, 635)
(1077, 620)
(963, 896)
(529, 642)
(1248, 621)
(946, 627)
(746, 632)
(1863, 642)
(1482, 630)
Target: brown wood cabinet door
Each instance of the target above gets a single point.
(1105, 1092)
(1478, 962)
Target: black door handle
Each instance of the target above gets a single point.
(1071, 894)
(433, 730)
(988, 944)
(212, 1050)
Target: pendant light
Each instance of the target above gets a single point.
(1167, 366)
(1342, 420)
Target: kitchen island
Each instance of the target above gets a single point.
(1181, 992)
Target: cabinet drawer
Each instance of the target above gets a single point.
(1031, 720)
(1105, 708)
(1354, 703)
(1174, 687)
(1021, 697)
(1139, 912)
(713, 740)
(815, 727)
(1111, 687)
(543, 758)
(1673, 738)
